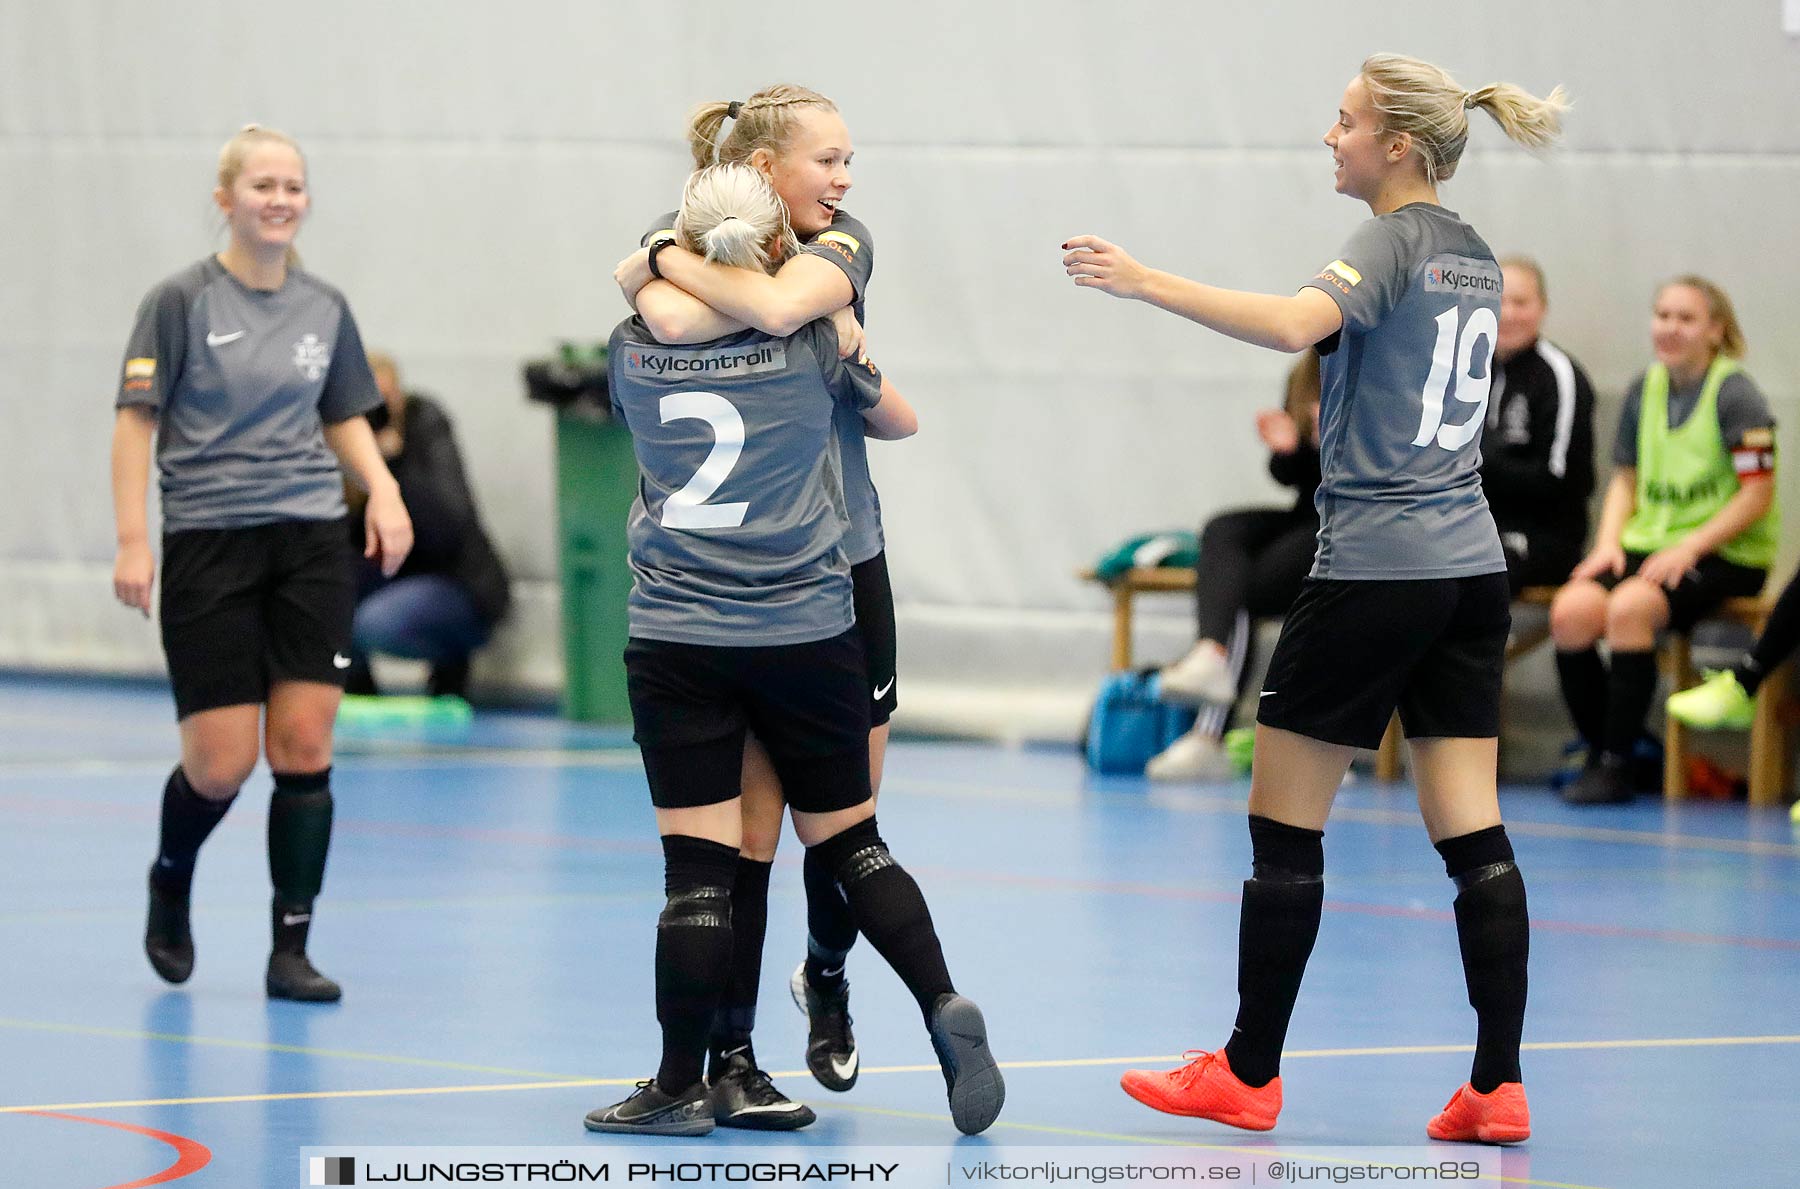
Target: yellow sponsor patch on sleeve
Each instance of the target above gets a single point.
(840, 238)
(1759, 439)
(140, 369)
(1345, 271)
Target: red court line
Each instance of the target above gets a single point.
(648, 847)
(190, 1156)
(1548, 925)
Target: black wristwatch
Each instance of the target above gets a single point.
(656, 247)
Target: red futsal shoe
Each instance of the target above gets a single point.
(1501, 1117)
(1205, 1088)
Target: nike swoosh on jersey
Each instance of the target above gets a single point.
(882, 691)
(219, 340)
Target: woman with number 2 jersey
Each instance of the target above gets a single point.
(1407, 604)
(741, 619)
(799, 142)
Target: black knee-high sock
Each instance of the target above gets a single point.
(1495, 934)
(890, 910)
(693, 953)
(299, 839)
(830, 926)
(1630, 689)
(1582, 676)
(1780, 636)
(187, 820)
(736, 1017)
(1283, 901)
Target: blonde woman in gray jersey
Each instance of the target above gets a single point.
(1407, 604)
(250, 377)
(798, 140)
(742, 619)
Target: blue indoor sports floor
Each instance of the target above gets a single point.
(490, 909)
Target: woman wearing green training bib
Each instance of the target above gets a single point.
(1689, 522)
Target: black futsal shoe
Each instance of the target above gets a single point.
(1605, 783)
(971, 1078)
(292, 976)
(743, 1096)
(651, 1112)
(168, 942)
(830, 1044)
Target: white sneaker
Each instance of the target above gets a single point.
(1192, 757)
(1201, 678)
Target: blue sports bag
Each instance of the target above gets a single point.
(1130, 724)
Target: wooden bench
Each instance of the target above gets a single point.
(1127, 587)
(1770, 771)
(1769, 767)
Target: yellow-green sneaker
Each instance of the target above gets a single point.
(1717, 703)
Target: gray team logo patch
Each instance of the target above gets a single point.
(311, 356)
(719, 361)
(1460, 274)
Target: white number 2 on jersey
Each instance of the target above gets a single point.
(1470, 389)
(688, 508)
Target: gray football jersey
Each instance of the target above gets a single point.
(737, 534)
(1405, 392)
(243, 382)
(846, 243)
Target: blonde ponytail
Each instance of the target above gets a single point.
(1423, 101)
(767, 120)
(730, 214)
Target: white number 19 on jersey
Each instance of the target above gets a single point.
(1471, 390)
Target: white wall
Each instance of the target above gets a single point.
(479, 168)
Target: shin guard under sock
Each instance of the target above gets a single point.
(830, 926)
(1277, 925)
(1494, 933)
(1582, 676)
(299, 840)
(693, 953)
(187, 821)
(890, 910)
(736, 1016)
(1630, 688)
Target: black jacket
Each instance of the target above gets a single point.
(447, 535)
(1537, 449)
(1299, 470)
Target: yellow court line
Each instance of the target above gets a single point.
(553, 1081)
(272, 1047)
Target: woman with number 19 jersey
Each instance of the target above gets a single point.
(741, 620)
(1403, 400)
(1407, 605)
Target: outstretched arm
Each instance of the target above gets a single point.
(1289, 324)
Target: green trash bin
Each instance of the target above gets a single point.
(596, 481)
